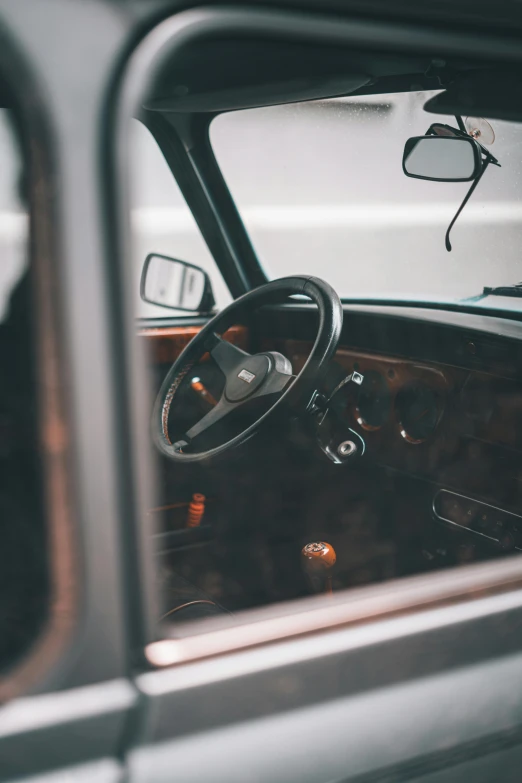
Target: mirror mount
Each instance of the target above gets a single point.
(460, 123)
(176, 285)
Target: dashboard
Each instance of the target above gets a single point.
(441, 408)
(440, 412)
(402, 401)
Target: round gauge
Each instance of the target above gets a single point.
(373, 402)
(418, 411)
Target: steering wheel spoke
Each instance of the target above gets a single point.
(214, 415)
(227, 356)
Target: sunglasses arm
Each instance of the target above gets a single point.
(465, 201)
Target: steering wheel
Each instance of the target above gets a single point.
(249, 376)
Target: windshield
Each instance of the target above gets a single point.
(321, 189)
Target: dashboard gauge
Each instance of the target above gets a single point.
(418, 410)
(373, 401)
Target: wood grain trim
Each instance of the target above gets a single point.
(397, 371)
(166, 343)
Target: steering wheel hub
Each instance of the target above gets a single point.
(247, 377)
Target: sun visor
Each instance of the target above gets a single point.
(268, 94)
(495, 94)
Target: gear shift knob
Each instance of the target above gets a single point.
(318, 558)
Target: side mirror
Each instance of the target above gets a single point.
(168, 282)
(442, 158)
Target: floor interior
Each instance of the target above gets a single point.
(265, 503)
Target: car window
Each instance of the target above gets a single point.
(321, 190)
(24, 590)
(379, 470)
(162, 222)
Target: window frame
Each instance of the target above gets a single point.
(177, 31)
(185, 144)
(69, 243)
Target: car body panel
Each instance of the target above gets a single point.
(432, 688)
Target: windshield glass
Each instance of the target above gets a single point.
(321, 189)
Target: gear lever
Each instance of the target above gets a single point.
(317, 559)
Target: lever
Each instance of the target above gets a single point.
(340, 443)
(201, 390)
(318, 558)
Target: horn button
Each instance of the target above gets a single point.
(247, 377)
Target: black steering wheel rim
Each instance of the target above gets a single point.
(297, 392)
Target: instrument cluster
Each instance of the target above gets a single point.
(425, 418)
(396, 395)
(417, 408)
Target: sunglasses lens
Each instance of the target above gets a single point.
(442, 130)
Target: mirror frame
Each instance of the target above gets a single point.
(414, 140)
(207, 302)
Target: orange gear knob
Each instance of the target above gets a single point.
(319, 555)
(318, 558)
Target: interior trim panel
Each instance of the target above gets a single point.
(167, 342)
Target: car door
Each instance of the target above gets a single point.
(414, 681)
(67, 697)
(69, 701)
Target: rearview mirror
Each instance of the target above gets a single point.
(442, 158)
(168, 282)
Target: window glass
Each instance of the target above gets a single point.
(23, 561)
(321, 190)
(405, 460)
(162, 222)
